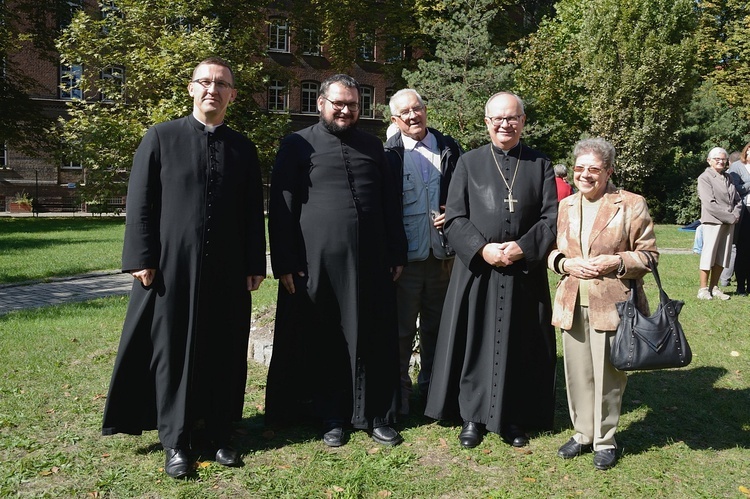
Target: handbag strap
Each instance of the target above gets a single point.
(666, 303)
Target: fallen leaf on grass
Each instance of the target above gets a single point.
(99, 396)
(74, 340)
(105, 455)
(93, 494)
(260, 407)
(443, 443)
(529, 479)
(486, 451)
(284, 467)
(336, 488)
(735, 353)
(53, 470)
(522, 450)
(202, 464)
(66, 394)
(744, 490)
(385, 493)
(50, 411)
(373, 450)
(66, 386)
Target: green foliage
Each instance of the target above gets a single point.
(724, 35)
(105, 133)
(612, 69)
(465, 70)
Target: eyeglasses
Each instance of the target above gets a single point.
(593, 170)
(339, 106)
(404, 115)
(719, 160)
(498, 120)
(220, 84)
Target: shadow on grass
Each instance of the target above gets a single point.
(685, 406)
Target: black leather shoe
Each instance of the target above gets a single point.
(571, 449)
(385, 435)
(471, 434)
(177, 462)
(515, 436)
(604, 459)
(334, 437)
(227, 456)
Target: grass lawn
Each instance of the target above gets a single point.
(39, 248)
(684, 433)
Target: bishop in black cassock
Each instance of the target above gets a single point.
(495, 361)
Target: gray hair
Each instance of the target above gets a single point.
(498, 94)
(404, 91)
(342, 79)
(599, 147)
(560, 170)
(716, 150)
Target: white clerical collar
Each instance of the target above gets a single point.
(428, 141)
(208, 128)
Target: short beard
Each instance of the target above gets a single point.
(335, 128)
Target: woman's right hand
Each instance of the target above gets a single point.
(580, 268)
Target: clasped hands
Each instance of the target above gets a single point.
(591, 268)
(501, 254)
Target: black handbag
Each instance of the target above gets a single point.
(656, 342)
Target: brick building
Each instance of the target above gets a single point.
(297, 55)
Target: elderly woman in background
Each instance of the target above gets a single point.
(739, 174)
(720, 210)
(564, 189)
(601, 231)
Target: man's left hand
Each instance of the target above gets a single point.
(512, 250)
(253, 282)
(396, 272)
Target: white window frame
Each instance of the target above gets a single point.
(277, 94)
(309, 97)
(4, 156)
(310, 42)
(70, 164)
(366, 47)
(70, 81)
(366, 94)
(114, 72)
(278, 35)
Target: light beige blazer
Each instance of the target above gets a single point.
(622, 227)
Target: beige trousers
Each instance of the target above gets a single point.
(595, 387)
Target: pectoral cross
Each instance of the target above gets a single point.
(510, 201)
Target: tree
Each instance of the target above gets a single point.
(24, 24)
(130, 84)
(465, 70)
(619, 70)
(724, 40)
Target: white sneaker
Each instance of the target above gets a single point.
(704, 294)
(717, 293)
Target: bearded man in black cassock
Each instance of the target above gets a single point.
(495, 360)
(195, 242)
(337, 245)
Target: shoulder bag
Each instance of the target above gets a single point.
(656, 342)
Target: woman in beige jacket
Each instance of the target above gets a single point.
(600, 231)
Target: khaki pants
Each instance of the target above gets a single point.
(595, 387)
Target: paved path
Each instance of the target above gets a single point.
(63, 290)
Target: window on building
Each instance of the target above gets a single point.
(310, 97)
(70, 81)
(4, 156)
(366, 46)
(394, 49)
(366, 100)
(388, 94)
(310, 42)
(71, 164)
(113, 78)
(278, 35)
(277, 96)
(67, 10)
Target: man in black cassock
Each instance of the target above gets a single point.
(195, 243)
(494, 365)
(337, 245)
